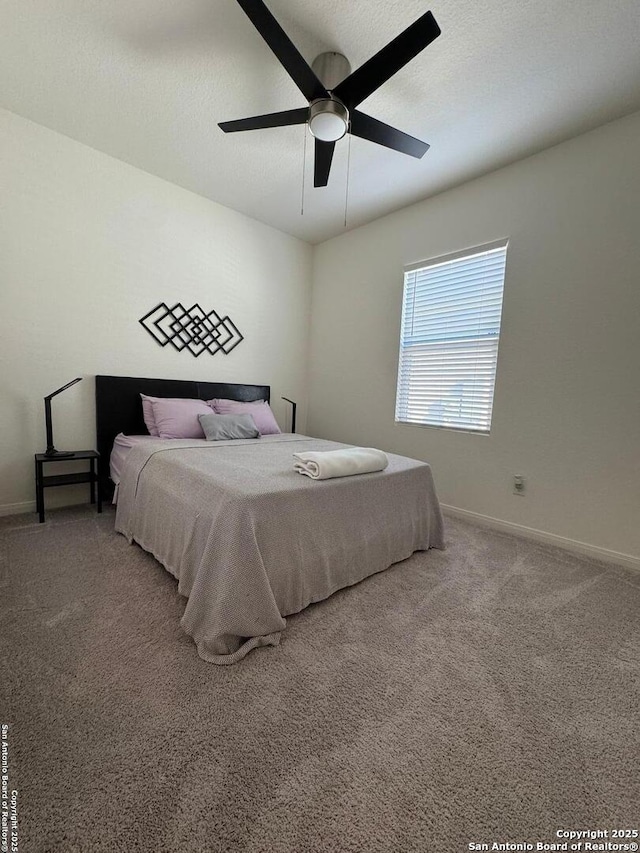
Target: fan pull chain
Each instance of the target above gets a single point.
(346, 193)
(304, 163)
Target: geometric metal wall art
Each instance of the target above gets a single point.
(191, 329)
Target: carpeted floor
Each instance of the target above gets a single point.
(485, 693)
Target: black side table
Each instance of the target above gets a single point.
(90, 476)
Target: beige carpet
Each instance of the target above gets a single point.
(485, 693)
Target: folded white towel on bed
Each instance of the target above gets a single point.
(323, 465)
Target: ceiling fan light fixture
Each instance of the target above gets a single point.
(328, 120)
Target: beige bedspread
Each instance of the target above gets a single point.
(251, 541)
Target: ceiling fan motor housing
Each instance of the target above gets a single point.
(328, 117)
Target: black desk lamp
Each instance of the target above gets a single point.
(51, 451)
(294, 406)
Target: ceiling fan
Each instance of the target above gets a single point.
(334, 92)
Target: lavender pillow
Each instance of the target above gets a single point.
(260, 411)
(147, 414)
(175, 418)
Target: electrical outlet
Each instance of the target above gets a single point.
(518, 484)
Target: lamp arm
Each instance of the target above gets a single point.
(64, 388)
(48, 424)
(294, 406)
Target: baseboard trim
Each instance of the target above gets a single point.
(17, 509)
(573, 545)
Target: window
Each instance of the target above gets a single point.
(449, 339)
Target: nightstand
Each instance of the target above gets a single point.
(90, 476)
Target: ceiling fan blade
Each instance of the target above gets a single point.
(285, 50)
(282, 119)
(322, 166)
(384, 64)
(369, 128)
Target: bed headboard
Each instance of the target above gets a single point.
(119, 408)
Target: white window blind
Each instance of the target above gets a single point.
(449, 340)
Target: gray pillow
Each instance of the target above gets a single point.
(221, 427)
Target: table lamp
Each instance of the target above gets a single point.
(51, 451)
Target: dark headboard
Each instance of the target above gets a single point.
(119, 408)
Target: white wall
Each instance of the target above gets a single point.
(567, 401)
(88, 245)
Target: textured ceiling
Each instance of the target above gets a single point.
(147, 81)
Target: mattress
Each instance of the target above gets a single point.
(121, 447)
(122, 444)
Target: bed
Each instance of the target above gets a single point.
(249, 540)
